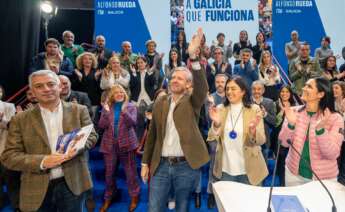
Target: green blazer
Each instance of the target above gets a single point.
(186, 117)
(27, 144)
(255, 164)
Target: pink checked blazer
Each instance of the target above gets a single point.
(324, 149)
(126, 138)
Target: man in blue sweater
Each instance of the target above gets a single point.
(246, 69)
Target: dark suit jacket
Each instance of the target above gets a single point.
(186, 116)
(270, 119)
(126, 138)
(37, 63)
(211, 74)
(82, 98)
(28, 144)
(135, 85)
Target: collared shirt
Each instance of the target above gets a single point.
(53, 125)
(143, 94)
(233, 156)
(171, 142)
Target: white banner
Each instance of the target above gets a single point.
(227, 16)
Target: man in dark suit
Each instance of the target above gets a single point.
(174, 150)
(268, 109)
(50, 181)
(69, 95)
(102, 53)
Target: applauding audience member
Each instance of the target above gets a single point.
(317, 127)
(330, 71)
(115, 74)
(226, 49)
(87, 78)
(238, 127)
(52, 59)
(269, 75)
(70, 50)
(119, 143)
(303, 68)
(244, 43)
(217, 67)
(246, 69)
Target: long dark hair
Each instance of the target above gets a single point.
(244, 87)
(184, 41)
(140, 57)
(178, 58)
(335, 66)
(291, 99)
(327, 101)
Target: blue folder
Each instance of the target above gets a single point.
(286, 203)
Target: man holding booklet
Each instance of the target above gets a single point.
(51, 181)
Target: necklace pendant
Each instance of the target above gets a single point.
(233, 134)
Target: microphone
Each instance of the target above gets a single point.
(334, 209)
(273, 178)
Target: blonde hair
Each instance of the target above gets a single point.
(262, 65)
(111, 99)
(79, 61)
(111, 59)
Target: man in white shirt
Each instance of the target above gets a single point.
(174, 149)
(50, 181)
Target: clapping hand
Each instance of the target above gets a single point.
(324, 119)
(255, 122)
(290, 114)
(214, 116)
(106, 106)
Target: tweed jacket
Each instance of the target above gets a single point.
(185, 115)
(255, 165)
(28, 144)
(126, 138)
(324, 149)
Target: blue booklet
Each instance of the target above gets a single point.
(286, 203)
(74, 139)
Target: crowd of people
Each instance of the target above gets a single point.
(202, 111)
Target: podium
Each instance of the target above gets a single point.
(238, 197)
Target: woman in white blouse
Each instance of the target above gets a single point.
(237, 126)
(269, 75)
(114, 74)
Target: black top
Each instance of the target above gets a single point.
(91, 86)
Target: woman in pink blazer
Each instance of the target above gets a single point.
(119, 143)
(315, 130)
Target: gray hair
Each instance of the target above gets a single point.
(65, 78)
(222, 75)
(126, 42)
(44, 73)
(294, 32)
(99, 36)
(67, 31)
(189, 76)
(246, 50)
(258, 82)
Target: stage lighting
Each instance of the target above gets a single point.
(47, 7)
(49, 10)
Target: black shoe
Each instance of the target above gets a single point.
(211, 202)
(197, 200)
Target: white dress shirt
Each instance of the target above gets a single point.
(233, 157)
(171, 142)
(53, 125)
(143, 95)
